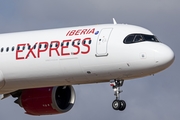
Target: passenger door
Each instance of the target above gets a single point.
(102, 42)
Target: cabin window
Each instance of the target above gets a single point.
(45, 46)
(35, 46)
(2, 49)
(39, 46)
(56, 45)
(12, 48)
(62, 44)
(29, 47)
(73, 43)
(23, 47)
(67, 43)
(84, 42)
(18, 48)
(7, 49)
(51, 45)
(90, 41)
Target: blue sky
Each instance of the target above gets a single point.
(154, 97)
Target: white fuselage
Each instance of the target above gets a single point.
(77, 55)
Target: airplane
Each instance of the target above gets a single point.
(38, 68)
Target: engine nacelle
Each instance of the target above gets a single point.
(47, 101)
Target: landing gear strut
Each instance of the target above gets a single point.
(117, 104)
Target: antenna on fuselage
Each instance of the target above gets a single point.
(114, 21)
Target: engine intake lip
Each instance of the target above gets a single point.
(63, 98)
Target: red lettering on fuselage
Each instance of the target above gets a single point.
(54, 48)
(72, 32)
(41, 49)
(80, 32)
(75, 44)
(83, 32)
(31, 50)
(57, 44)
(91, 31)
(86, 45)
(18, 51)
(65, 45)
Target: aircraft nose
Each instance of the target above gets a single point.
(164, 56)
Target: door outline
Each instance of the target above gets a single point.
(102, 42)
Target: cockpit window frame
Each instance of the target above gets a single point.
(136, 38)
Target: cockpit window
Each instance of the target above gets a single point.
(150, 38)
(129, 39)
(134, 38)
(138, 38)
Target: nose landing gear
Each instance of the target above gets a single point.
(117, 104)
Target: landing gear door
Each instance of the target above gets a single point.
(102, 42)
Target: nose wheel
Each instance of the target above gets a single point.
(117, 104)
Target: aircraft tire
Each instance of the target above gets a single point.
(116, 104)
(122, 105)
